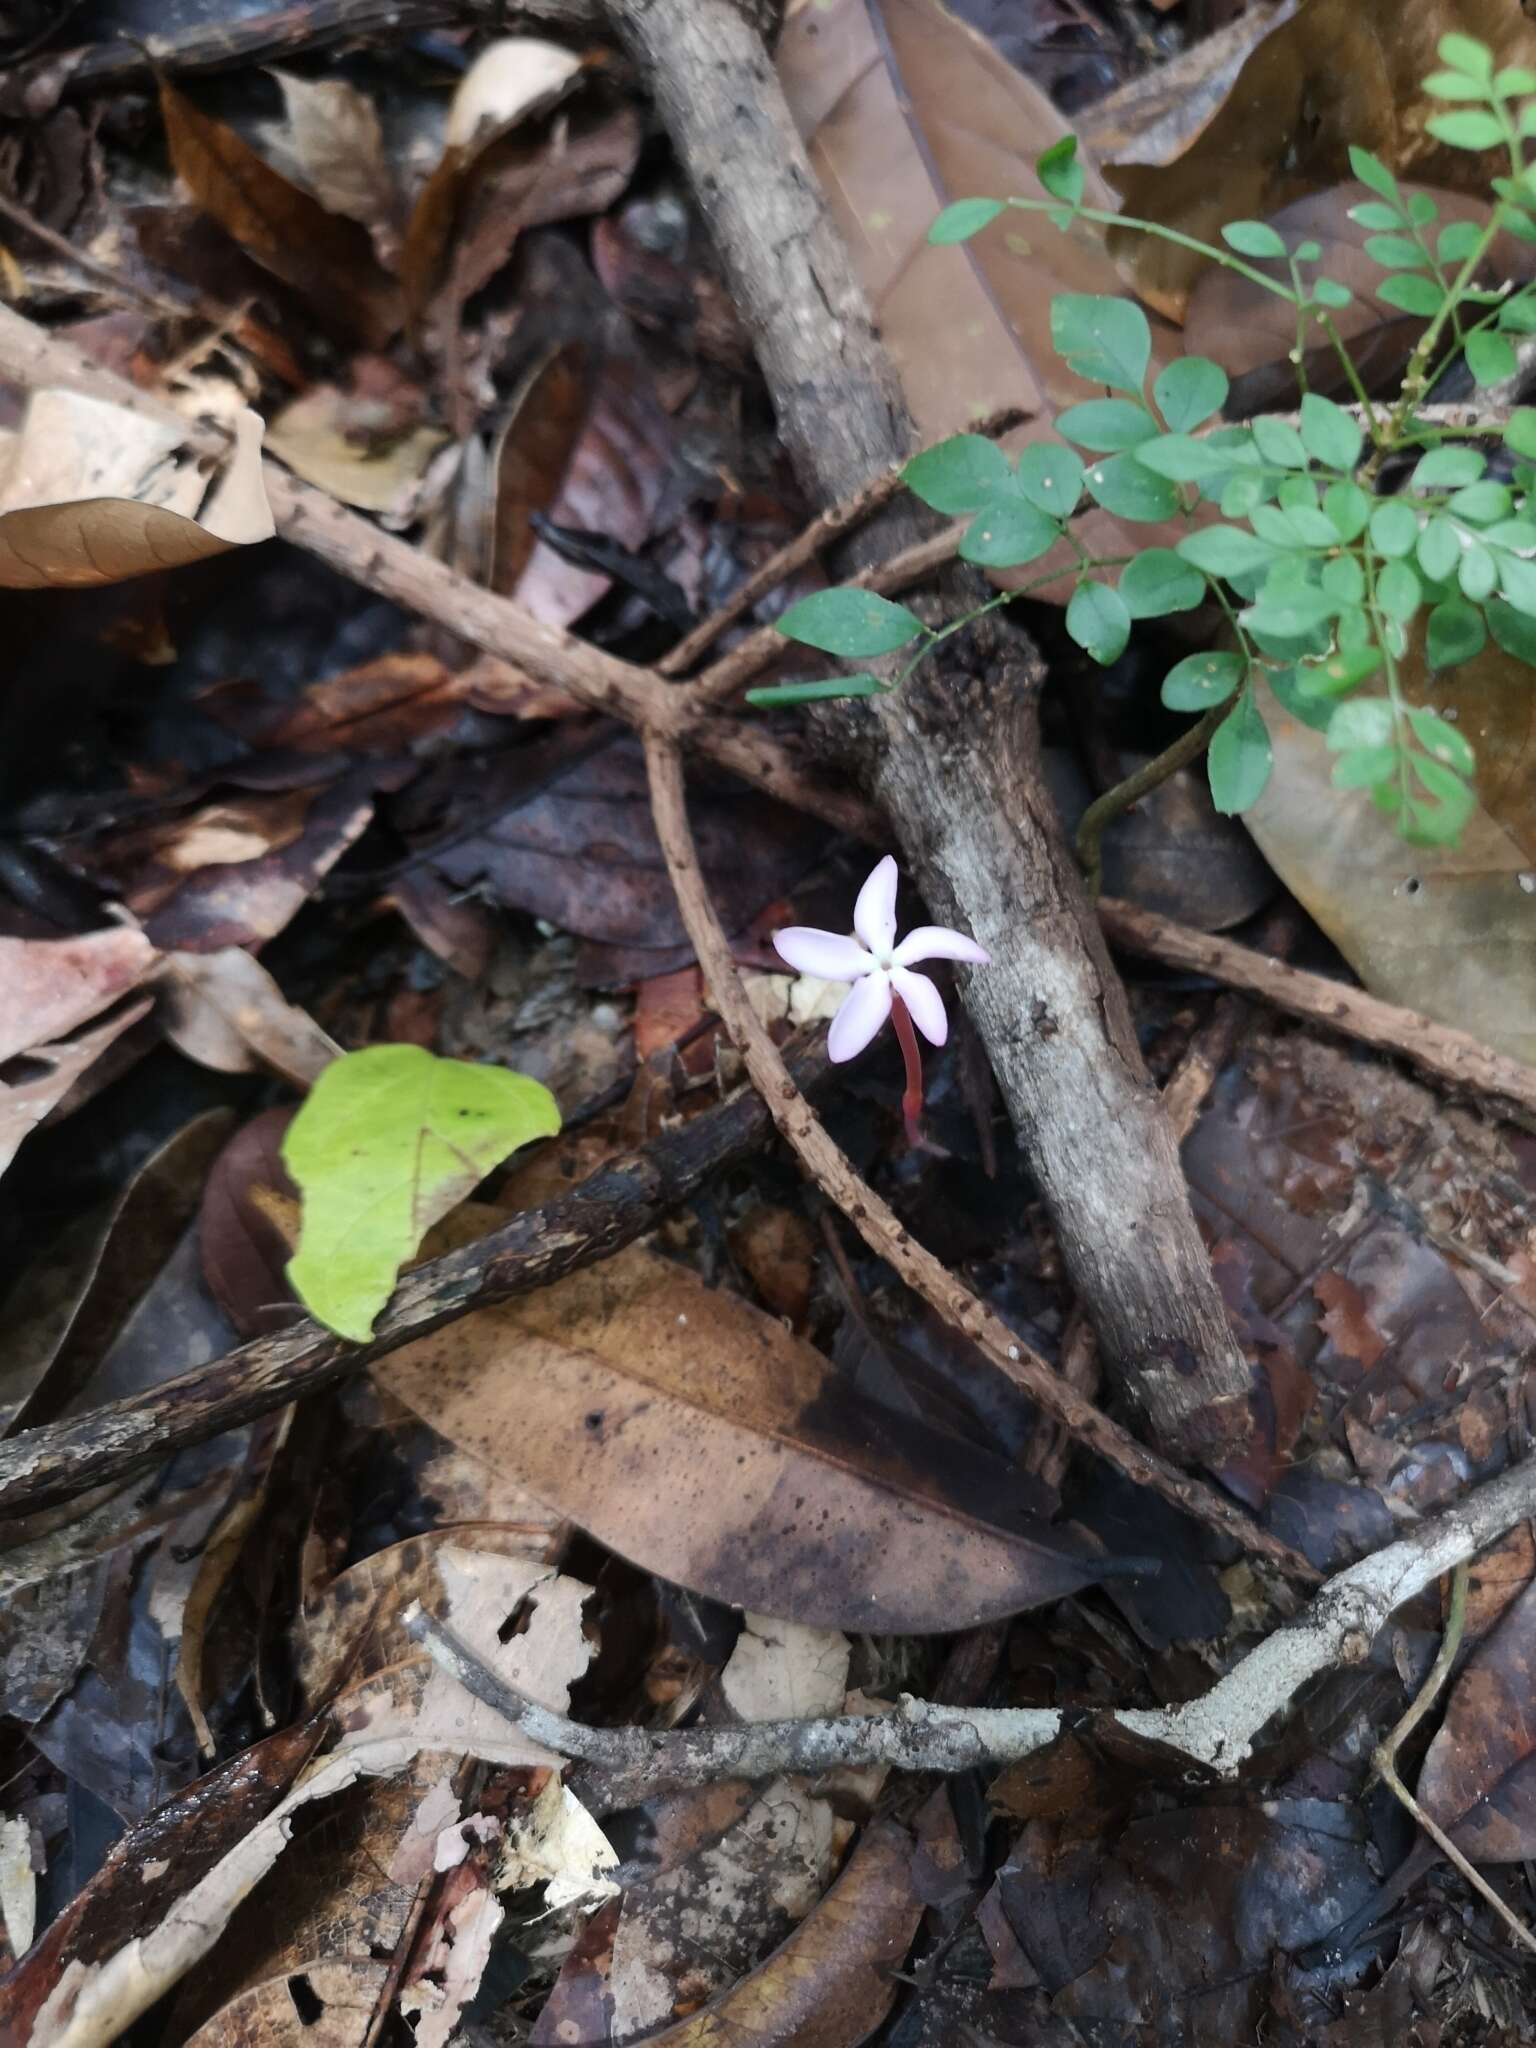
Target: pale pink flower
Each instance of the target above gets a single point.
(877, 966)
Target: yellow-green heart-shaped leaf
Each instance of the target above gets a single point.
(386, 1143)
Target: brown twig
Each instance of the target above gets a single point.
(732, 672)
(827, 527)
(877, 1224)
(1216, 1729)
(1449, 1055)
(611, 1208)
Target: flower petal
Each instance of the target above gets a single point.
(865, 1008)
(924, 1001)
(938, 942)
(826, 954)
(874, 915)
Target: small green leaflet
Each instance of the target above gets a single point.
(1008, 532)
(1470, 129)
(385, 1144)
(1490, 357)
(1328, 433)
(851, 622)
(1454, 633)
(1051, 477)
(1191, 390)
(1201, 680)
(1110, 425)
(1059, 171)
(1098, 621)
(1158, 582)
(1240, 757)
(960, 474)
(963, 218)
(1105, 340)
(1253, 238)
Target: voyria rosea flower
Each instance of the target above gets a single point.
(878, 966)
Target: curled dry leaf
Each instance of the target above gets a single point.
(693, 1434)
(225, 1011)
(511, 81)
(386, 1722)
(51, 1071)
(93, 493)
(905, 108)
(1339, 72)
(832, 1982)
(311, 435)
(331, 141)
(329, 260)
(49, 986)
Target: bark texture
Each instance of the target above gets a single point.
(952, 759)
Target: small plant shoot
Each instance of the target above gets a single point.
(1331, 539)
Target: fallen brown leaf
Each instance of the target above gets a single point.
(693, 1434)
(325, 257)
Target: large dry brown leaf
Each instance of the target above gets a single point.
(692, 1433)
(225, 1011)
(1449, 930)
(324, 256)
(831, 1983)
(331, 139)
(50, 1072)
(905, 108)
(91, 492)
(49, 986)
(1339, 72)
(1479, 1776)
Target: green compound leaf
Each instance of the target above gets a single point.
(1240, 757)
(1365, 767)
(1098, 621)
(1278, 442)
(1290, 693)
(1201, 680)
(1437, 736)
(1110, 425)
(1439, 549)
(1338, 673)
(1008, 532)
(1362, 722)
(1394, 528)
(1482, 503)
(1181, 458)
(1349, 508)
(1467, 130)
(1051, 477)
(1412, 293)
(1517, 580)
(1454, 244)
(1477, 572)
(1226, 550)
(1253, 238)
(1520, 434)
(1396, 252)
(960, 474)
(851, 622)
(1059, 171)
(1399, 592)
(1104, 340)
(1159, 582)
(1121, 485)
(1370, 170)
(1328, 433)
(1454, 633)
(1490, 357)
(1190, 391)
(385, 1144)
(1372, 214)
(1449, 468)
(1466, 53)
(1327, 291)
(963, 218)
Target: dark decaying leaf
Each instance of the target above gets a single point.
(324, 256)
(320, 2005)
(151, 1866)
(582, 852)
(693, 1434)
(1171, 1932)
(532, 455)
(1479, 1776)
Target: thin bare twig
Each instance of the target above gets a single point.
(1449, 1055)
(1217, 1729)
(827, 527)
(878, 1225)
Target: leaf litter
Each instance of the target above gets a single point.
(725, 1475)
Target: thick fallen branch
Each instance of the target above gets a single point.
(1450, 1056)
(879, 1225)
(1217, 1730)
(611, 1208)
(951, 757)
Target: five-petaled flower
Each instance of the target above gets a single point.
(877, 966)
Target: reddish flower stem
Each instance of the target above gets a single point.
(912, 1100)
